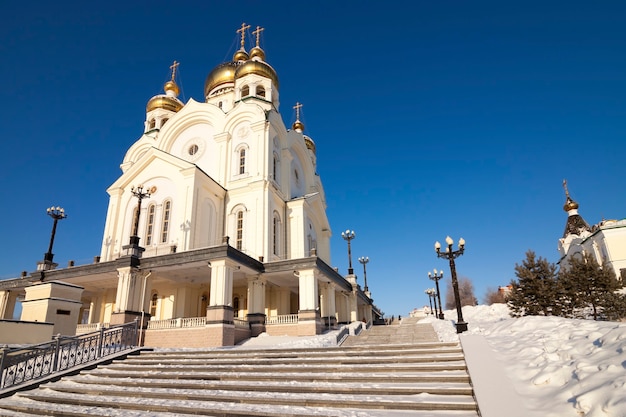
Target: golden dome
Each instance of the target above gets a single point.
(298, 126)
(171, 86)
(310, 145)
(164, 102)
(222, 74)
(257, 52)
(167, 101)
(570, 205)
(259, 68)
(240, 55)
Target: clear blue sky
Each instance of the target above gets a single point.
(430, 118)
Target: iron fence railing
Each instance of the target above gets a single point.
(34, 362)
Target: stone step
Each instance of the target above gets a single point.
(295, 368)
(27, 407)
(441, 377)
(180, 400)
(442, 356)
(286, 385)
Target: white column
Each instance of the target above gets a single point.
(308, 290)
(221, 283)
(129, 290)
(256, 295)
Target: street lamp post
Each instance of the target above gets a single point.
(133, 249)
(450, 255)
(364, 261)
(57, 213)
(436, 277)
(348, 235)
(429, 292)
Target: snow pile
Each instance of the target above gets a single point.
(563, 367)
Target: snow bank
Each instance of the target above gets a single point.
(563, 367)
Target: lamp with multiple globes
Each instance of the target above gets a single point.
(451, 255)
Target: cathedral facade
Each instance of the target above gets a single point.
(216, 230)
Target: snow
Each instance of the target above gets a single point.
(560, 367)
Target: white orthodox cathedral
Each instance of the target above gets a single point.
(216, 230)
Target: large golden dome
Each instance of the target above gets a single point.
(309, 143)
(222, 74)
(259, 68)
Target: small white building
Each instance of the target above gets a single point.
(606, 241)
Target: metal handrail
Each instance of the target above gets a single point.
(18, 366)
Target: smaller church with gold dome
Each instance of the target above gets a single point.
(216, 229)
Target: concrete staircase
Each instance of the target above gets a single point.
(367, 376)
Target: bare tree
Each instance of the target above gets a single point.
(466, 294)
(494, 296)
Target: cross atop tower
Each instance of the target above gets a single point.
(242, 30)
(565, 187)
(297, 107)
(257, 33)
(173, 67)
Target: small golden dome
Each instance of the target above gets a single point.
(310, 145)
(165, 102)
(298, 126)
(259, 68)
(240, 55)
(257, 52)
(222, 74)
(171, 86)
(570, 205)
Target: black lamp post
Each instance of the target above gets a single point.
(133, 248)
(364, 261)
(348, 235)
(436, 277)
(429, 293)
(57, 213)
(450, 255)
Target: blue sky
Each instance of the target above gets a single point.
(430, 118)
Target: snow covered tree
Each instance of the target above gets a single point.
(466, 294)
(588, 284)
(536, 291)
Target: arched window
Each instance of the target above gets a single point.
(275, 167)
(242, 161)
(239, 240)
(153, 304)
(260, 91)
(219, 105)
(164, 121)
(167, 209)
(150, 224)
(152, 124)
(245, 91)
(276, 235)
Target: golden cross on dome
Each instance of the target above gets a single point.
(242, 30)
(257, 33)
(565, 187)
(298, 106)
(173, 68)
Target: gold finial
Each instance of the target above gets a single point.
(173, 68)
(242, 30)
(298, 106)
(257, 33)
